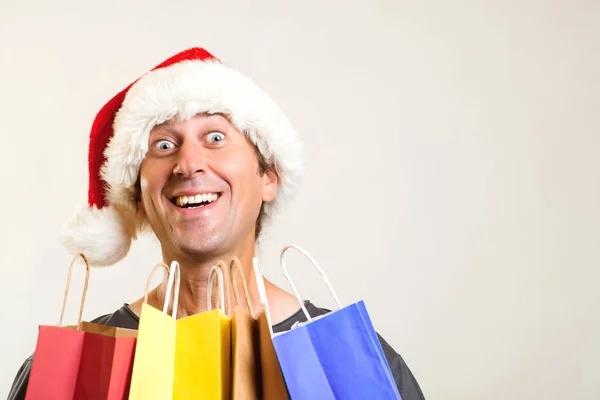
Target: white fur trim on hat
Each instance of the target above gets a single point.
(187, 89)
(102, 235)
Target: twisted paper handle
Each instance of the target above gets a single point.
(68, 286)
(237, 265)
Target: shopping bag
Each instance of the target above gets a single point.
(153, 365)
(244, 341)
(106, 362)
(85, 361)
(272, 384)
(55, 365)
(335, 356)
(202, 352)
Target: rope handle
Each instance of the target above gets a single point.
(318, 268)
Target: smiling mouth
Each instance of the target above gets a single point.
(195, 201)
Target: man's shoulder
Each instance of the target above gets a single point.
(19, 386)
(121, 318)
(405, 380)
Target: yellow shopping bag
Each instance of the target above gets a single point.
(202, 351)
(153, 365)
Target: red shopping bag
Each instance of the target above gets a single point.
(106, 362)
(86, 361)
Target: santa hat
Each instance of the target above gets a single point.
(189, 83)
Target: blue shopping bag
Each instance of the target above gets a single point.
(334, 356)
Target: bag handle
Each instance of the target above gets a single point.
(172, 279)
(85, 287)
(217, 270)
(236, 264)
(316, 265)
(262, 292)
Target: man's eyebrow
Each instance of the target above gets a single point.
(164, 127)
(216, 114)
(168, 125)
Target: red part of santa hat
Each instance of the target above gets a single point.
(188, 83)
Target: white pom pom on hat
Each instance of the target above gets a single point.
(188, 83)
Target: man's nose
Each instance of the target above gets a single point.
(190, 161)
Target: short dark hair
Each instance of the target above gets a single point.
(263, 168)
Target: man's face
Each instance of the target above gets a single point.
(201, 187)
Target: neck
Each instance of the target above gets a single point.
(195, 272)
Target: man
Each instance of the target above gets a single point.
(196, 152)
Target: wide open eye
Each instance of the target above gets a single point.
(164, 145)
(214, 137)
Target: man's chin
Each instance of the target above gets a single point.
(199, 248)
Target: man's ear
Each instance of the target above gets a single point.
(270, 181)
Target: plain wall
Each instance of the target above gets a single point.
(452, 170)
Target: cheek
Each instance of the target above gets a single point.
(145, 186)
(146, 202)
(241, 173)
(152, 180)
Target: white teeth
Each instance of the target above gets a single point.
(196, 199)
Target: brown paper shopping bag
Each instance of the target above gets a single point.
(107, 330)
(273, 385)
(244, 342)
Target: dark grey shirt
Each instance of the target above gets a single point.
(125, 318)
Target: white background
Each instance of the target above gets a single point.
(452, 177)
